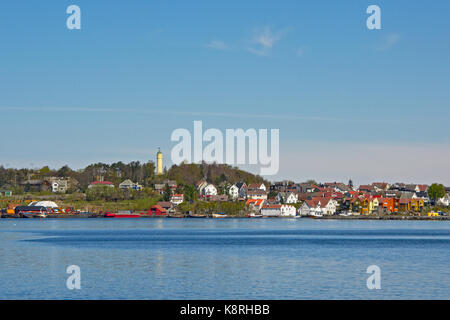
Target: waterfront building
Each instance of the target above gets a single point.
(278, 210)
(167, 205)
(255, 205)
(411, 205)
(157, 210)
(310, 208)
(391, 204)
(327, 205)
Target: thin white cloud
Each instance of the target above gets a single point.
(165, 111)
(264, 40)
(389, 41)
(217, 44)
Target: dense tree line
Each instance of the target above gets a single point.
(186, 175)
(214, 173)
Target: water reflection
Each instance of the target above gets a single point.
(223, 259)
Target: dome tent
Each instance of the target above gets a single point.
(47, 204)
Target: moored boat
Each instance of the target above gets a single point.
(219, 215)
(254, 215)
(31, 211)
(176, 215)
(196, 215)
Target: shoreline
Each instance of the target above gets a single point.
(331, 217)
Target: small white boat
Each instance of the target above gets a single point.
(316, 215)
(219, 215)
(254, 215)
(346, 214)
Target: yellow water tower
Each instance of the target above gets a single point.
(159, 162)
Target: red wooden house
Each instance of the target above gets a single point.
(157, 210)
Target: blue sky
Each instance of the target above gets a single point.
(349, 102)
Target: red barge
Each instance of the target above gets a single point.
(122, 215)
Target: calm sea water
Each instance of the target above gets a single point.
(223, 259)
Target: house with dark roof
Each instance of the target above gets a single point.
(238, 190)
(31, 185)
(287, 197)
(307, 187)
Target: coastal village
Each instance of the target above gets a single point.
(154, 194)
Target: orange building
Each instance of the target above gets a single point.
(391, 204)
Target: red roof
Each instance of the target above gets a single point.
(326, 189)
(255, 185)
(158, 207)
(423, 187)
(255, 202)
(323, 200)
(312, 203)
